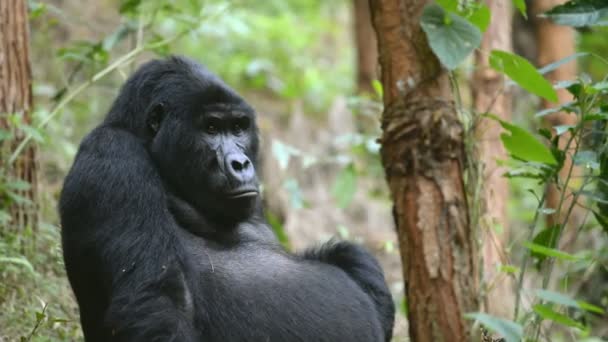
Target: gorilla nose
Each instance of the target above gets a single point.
(240, 167)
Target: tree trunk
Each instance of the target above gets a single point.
(367, 48)
(487, 97)
(16, 99)
(422, 153)
(554, 43)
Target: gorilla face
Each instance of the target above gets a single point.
(204, 141)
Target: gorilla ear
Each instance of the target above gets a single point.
(155, 116)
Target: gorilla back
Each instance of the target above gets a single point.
(163, 236)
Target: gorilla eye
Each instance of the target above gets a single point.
(240, 125)
(211, 128)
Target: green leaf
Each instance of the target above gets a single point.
(550, 252)
(451, 37)
(377, 85)
(546, 312)
(566, 107)
(21, 261)
(480, 17)
(579, 13)
(523, 145)
(509, 330)
(590, 307)
(523, 73)
(345, 186)
(36, 9)
(545, 238)
(277, 226)
(553, 66)
(561, 129)
(557, 298)
(509, 269)
(129, 6)
(521, 7)
(18, 185)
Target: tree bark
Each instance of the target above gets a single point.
(554, 43)
(490, 97)
(423, 155)
(367, 47)
(16, 99)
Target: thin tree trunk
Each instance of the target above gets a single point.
(422, 153)
(367, 47)
(554, 43)
(16, 99)
(488, 97)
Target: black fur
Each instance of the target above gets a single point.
(163, 238)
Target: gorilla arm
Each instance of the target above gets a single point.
(363, 268)
(121, 250)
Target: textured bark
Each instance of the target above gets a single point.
(554, 43)
(367, 47)
(487, 97)
(422, 153)
(16, 98)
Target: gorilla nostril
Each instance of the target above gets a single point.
(237, 166)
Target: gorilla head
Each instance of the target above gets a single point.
(200, 133)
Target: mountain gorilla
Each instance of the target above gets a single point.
(163, 236)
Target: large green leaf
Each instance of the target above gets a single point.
(509, 330)
(523, 145)
(521, 7)
(451, 37)
(580, 13)
(546, 312)
(550, 252)
(557, 298)
(523, 73)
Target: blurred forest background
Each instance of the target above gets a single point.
(310, 68)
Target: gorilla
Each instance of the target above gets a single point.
(164, 238)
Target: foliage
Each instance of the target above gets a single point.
(295, 51)
(580, 13)
(451, 37)
(541, 159)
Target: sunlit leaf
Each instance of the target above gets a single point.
(521, 7)
(480, 17)
(590, 307)
(550, 252)
(523, 145)
(523, 73)
(451, 37)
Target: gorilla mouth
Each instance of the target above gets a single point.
(243, 193)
